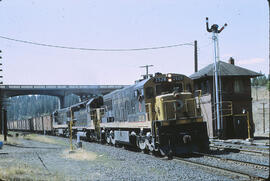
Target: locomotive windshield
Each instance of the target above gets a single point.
(61, 116)
(168, 87)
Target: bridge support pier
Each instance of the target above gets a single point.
(3, 121)
(5, 130)
(61, 102)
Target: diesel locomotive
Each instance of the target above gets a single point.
(158, 114)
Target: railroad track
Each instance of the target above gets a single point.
(263, 152)
(264, 148)
(240, 162)
(226, 171)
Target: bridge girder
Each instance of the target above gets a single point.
(61, 91)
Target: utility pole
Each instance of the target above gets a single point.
(146, 67)
(1, 119)
(263, 116)
(70, 129)
(195, 56)
(5, 124)
(1, 101)
(1, 76)
(215, 31)
(269, 50)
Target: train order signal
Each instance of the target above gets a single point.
(215, 31)
(214, 27)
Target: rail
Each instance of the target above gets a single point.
(255, 165)
(244, 151)
(220, 169)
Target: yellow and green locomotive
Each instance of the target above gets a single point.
(158, 114)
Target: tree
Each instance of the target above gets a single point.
(23, 107)
(260, 81)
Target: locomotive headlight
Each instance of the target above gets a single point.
(169, 75)
(169, 80)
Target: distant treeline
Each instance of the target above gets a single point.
(261, 81)
(23, 107)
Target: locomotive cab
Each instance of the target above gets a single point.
(175, 106)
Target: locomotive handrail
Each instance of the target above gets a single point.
(199, 96)
(186, 104)
(150, 111)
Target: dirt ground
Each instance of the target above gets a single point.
(39, 157)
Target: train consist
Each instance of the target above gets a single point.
(158, 114)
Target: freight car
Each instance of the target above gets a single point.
(158, 114)
(41, 124)
(20, 125)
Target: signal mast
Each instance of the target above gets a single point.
(215, 31)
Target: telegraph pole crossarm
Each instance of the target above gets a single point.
(146, 67)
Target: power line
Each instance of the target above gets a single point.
(96, 49)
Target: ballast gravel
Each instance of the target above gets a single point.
(49, 161)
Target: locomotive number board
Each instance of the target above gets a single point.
(166, 79)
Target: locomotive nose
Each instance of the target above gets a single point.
(186, 139)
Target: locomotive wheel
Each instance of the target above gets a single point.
(149, 146)
(170, 155)
(156, 153)
(142, 145)
(108, 139)
(146, 151)
(161, 153)
(112, 140)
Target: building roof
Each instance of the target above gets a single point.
(225, 69)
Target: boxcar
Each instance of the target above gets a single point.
(47, 124)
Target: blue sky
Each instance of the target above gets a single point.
(126, 24)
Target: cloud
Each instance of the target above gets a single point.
(251, 61)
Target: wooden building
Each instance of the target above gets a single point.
(235, 89)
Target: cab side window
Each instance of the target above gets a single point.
(149, 92)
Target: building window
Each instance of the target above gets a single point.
(238, 86)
